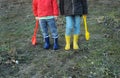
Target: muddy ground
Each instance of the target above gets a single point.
(97, 58)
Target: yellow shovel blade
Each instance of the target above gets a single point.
(87, 35)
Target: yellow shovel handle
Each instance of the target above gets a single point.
(85, 22)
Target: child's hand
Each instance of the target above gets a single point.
(84, 15)
(56, 17)
(37, 18)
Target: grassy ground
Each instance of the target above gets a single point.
(97, 58)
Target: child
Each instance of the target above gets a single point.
(46, 11)
(73, 10)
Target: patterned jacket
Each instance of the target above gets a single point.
(73, 7)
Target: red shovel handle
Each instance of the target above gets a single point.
(36, 27)
(34, 40)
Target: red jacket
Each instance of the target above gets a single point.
(42, 8)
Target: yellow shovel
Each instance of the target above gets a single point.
(87, 34)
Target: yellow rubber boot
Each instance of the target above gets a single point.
(75, 42)
(67, 46)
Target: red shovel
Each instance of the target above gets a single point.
(34, 40)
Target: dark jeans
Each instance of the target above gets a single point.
(45, 24)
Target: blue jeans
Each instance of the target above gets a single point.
(44, 23)
(72, 22)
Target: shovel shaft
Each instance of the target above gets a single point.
(36, 28)
(85, 22)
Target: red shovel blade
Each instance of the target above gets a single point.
(34, 41)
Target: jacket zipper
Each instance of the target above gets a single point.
(73, 6)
